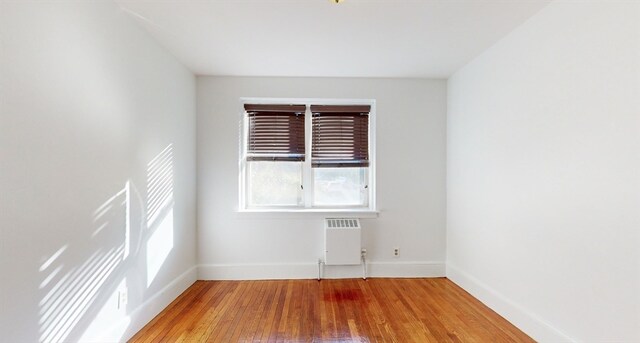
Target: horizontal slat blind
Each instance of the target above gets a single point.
(340, 136)
(276, 132)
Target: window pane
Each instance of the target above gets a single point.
(339, 187)
(274, 183)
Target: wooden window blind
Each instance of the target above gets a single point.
(340, 136)
(276, 132)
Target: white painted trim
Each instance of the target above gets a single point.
(406, 269)
(144, 313)
(310, 271)
(308, 213)
(525, 320)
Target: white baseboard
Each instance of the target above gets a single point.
(310, 271)
(142, 315)
(525, 320)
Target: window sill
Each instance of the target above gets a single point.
(306, 213)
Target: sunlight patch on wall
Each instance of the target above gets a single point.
(159, 246)
(69, 293)
(110, 321)
(121, 199)
(159, 184)
(70, 298)
(53, 257)
(159, 211)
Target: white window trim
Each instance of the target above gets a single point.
(369, 211)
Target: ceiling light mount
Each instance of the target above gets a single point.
(336, 1)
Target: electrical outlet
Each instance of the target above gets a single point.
(123, 298)
(396, 252)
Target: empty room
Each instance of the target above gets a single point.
(319, 171)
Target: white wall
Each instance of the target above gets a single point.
(410, 181)
(543, 174)
(87, 101)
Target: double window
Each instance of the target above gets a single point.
(307, 155)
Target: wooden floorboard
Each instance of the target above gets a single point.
(346, 310)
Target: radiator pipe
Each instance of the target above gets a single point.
(364, 266)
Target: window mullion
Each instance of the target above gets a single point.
(307, 173)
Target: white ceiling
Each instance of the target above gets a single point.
(358, 38)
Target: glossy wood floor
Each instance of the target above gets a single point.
(352, 310)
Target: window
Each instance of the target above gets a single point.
(275, 149)
(340, 155)
(312, 155)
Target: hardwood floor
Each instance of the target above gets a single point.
(348, 310)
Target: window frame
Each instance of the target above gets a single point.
(307, 170)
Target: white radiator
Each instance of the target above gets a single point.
(342, 241)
